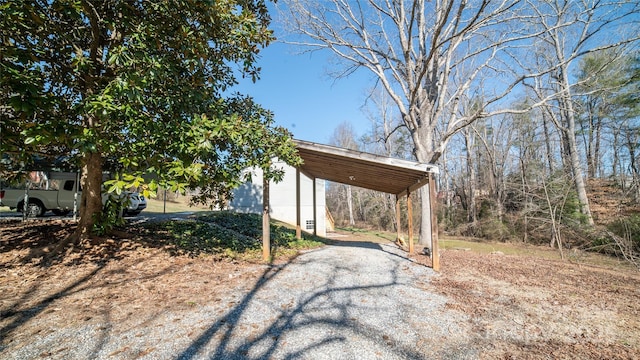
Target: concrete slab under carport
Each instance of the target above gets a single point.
(370, 171)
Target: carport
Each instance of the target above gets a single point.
(375, 172)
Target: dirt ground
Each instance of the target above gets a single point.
(518, 307)
(530, 308)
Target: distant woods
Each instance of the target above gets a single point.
(453, 72)
(521, 103)
(511, 177)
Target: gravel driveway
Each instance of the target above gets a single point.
(352, 300)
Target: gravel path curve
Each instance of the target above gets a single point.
(352, 300)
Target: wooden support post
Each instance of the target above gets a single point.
(25, 202)
(266, 231)
(75, 197)
(435, 252)
(298, 215)
(398, 219)
(315, 210)
(410, 215)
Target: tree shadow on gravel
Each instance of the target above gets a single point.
(21, 315)
(33, 241)
(356, 244)
(42, 294)
(404, 255)
(328, 305)
(33, 236)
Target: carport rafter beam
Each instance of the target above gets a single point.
(418, 184)
(374, 172)
(365, 170)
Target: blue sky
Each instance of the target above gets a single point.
(303, 97)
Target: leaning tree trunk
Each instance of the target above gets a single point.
(572, 146)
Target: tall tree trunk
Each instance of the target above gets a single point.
(596, 151)
(592, 143)
(525, 197)
(425, 221)
(569, 131)
(547, 141)
(472, 215)
(587, 138)
(423, 150)
(350, 205)
(580, 185)
(391, 206)
(616, 154)
(566, 151)
(91, 201)
(500, 196)
(635, 174)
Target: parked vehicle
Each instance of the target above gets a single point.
(58, 192)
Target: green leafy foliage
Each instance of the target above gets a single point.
(246, 224)
(147, 86)
(229, 234)
(610, 84)
(111, 215)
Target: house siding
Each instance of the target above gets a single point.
(248, 198)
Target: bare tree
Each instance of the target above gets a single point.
(569, 30)
(471, 188)
(497, 138)
(427, 55)
(344, 136)
(608, 113)
(387, 136)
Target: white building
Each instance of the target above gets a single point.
(248, 198)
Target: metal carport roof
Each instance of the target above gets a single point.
(366, 170)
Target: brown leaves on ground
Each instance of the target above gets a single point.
(529, 308)
(124, 280)
(518, 307)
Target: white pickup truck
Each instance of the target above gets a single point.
(56, 191)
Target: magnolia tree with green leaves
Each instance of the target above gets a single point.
(142, 89)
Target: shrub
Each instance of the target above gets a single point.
(227, 234)
(627, 231)
(489, 229)
(494, 229)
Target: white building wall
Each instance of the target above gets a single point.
(248, 198)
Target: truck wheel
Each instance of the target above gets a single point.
(35, 209)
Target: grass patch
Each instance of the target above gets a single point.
(159, 206)
(230, 235)
(368, 235)
(521, 249)
(352, 229)
(508, 248)
(484, 247)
